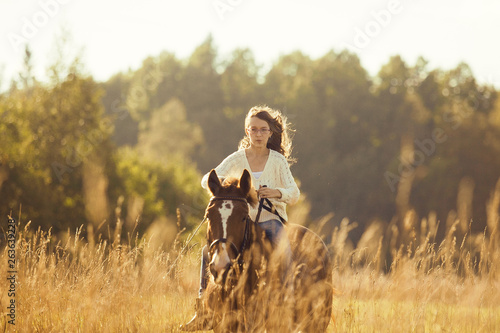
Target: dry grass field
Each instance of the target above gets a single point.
(70, 285)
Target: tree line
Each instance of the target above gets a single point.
(411, 141)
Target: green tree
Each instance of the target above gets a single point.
(240, 88)
(150, 188)
(203, 97)
(126, 128)
(169, 134)
(152, 85)
(53, 132)
(463, 114)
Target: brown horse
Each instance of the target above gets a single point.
(248, 292)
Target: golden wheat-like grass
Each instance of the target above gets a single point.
(65, 284)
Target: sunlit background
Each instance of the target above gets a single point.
(112, 111)
(117, 35)
(367, 84)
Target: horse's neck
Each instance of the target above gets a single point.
(258, 239)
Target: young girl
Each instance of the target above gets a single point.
(265, 152)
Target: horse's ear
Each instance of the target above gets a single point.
(245, 182)
(214, 182)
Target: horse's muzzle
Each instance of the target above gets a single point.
(220, 271)
(220, 261)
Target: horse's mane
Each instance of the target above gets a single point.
(230, 184)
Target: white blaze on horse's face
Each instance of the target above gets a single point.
(225, 212)
(221, 260)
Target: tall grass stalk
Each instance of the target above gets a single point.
(67, 284)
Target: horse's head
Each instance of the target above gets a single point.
(228, 221)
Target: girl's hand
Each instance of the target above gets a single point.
(266, 192)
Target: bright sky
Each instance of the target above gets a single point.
(118, 34)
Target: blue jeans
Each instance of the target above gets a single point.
(275, 233)
(203, 271)
(273, 230)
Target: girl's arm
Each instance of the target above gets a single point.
(290, 192)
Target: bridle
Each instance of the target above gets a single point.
(247, 229)
(246, 235)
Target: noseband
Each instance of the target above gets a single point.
(239, 251)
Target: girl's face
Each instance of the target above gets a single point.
(258, 131)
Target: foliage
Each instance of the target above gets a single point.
(168, 134)
(410, 155)
(163, 187)
(51, 131)
(368, 148)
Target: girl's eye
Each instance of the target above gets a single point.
(262, 130)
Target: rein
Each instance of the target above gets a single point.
(270, 208)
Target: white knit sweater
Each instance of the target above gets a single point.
(276, 175)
